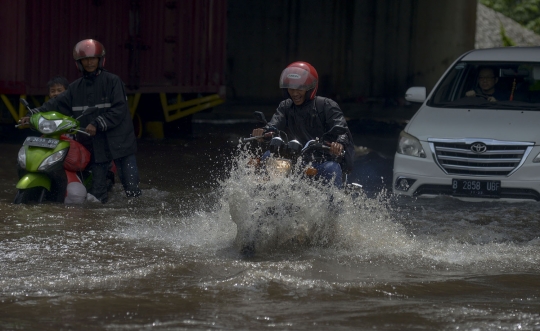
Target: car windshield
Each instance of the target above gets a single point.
(498, 85)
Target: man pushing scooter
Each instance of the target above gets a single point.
(112, 137)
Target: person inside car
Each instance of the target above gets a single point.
(487, 80)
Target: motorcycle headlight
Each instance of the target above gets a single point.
(53, 159)
(21, 158)
(48, 126)
(279, 166)
(410, 145)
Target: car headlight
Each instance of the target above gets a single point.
(410, 145)
(53, 159)
(21, 158)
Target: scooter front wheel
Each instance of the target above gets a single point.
(29, 195)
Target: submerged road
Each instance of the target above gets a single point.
(168, 260)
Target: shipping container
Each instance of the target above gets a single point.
(156, 47)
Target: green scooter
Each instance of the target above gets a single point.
(40, 159)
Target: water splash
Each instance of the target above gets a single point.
(294, 213)
(273, 213)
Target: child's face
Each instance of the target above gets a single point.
(55, 90)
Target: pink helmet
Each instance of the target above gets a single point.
(89, 48)
(300, 76)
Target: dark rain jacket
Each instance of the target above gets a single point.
(306, 122)
(115, 136)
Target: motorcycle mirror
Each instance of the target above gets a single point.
(259, 116)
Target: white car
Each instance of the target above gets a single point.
(473, 147)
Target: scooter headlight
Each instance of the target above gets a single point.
(21, 158)
(53, 159)
(48, 126)
(410, 145)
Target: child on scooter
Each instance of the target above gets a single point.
(78, 156)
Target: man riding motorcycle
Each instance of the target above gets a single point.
(306, 116)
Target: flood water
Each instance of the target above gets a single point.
(169, 260)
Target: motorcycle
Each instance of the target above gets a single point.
(285, 154)
(41, 169)
(280, 215)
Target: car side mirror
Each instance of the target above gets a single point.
(416, 94)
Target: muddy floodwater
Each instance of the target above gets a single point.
(170, 260)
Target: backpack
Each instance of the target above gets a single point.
(348, 163)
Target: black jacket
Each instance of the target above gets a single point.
(306, 122)
(115, 136)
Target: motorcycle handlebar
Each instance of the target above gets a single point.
(319, 146)
(312, 144)
(244, 140)
(266, 136)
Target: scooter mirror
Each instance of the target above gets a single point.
(24, 102)
(88, 111)
(259, 116)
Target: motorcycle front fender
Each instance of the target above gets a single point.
(34, 179)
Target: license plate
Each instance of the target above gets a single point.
(41, 142)
(477, 188)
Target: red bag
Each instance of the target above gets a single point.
(78, 156)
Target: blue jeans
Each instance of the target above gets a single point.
(127, 171)
(329, 171)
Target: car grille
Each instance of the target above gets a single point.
(479, 157)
